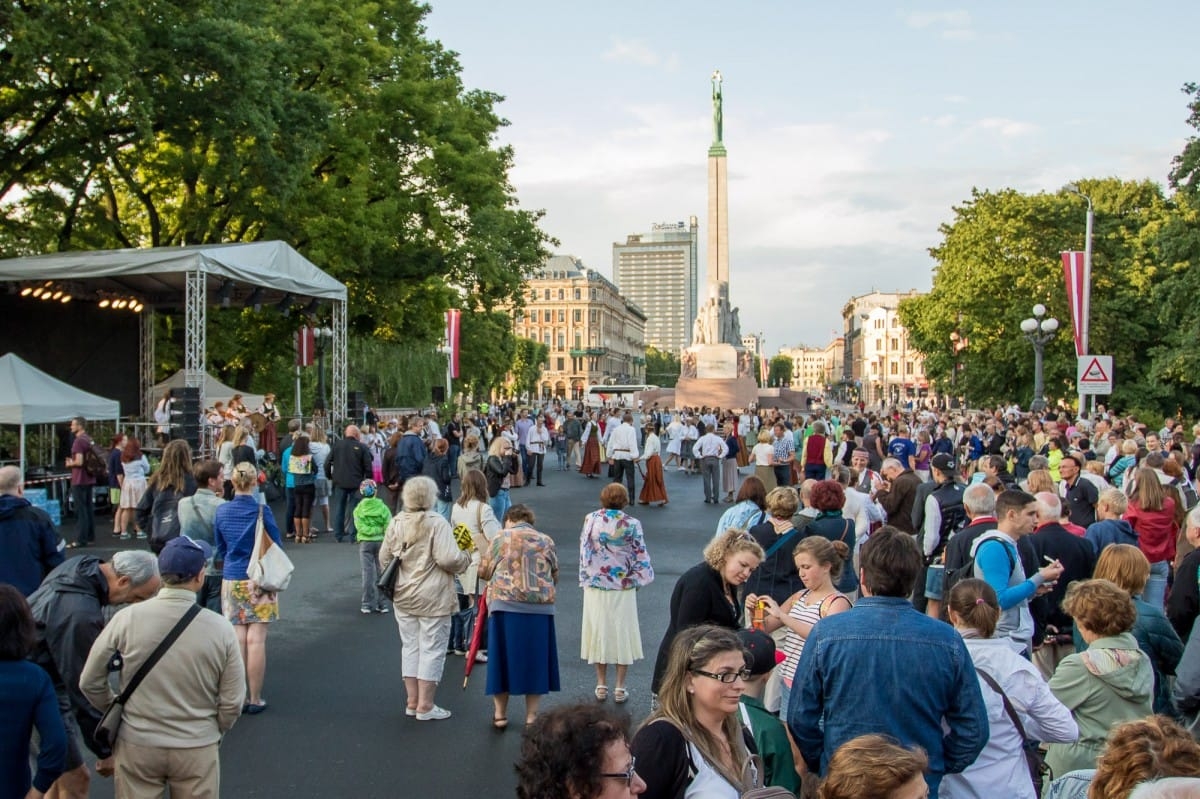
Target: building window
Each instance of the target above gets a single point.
(547, 339)
(562, 315)
(577, 314)
(895, 321)
(908, 368)
(594, 317)
(561, 363)
(878, 345)
(578, 294)
(547, 294)
(562, 341)
(895, 368)
(578, 341)
(533, 296)
(895, 343)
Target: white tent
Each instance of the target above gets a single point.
(214, 390)
(30, 396)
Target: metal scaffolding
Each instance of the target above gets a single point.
(196, 330)
(146, 361)
(340, 364)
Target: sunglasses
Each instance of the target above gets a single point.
(626, 775)
(727, 677)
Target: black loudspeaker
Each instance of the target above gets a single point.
(356, 405)
(185, 415)
(439, 394)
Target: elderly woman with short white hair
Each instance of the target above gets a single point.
(424, 599)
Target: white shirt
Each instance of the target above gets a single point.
(622, 443)
(855, 507)
(710, 445)
(537, 440)
(1000, 769)
(653, 447)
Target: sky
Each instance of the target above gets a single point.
(852, 129)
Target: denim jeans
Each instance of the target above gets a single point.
(783, 474)
(500, 504)
(345, 500)
(368, 554)
(85, 514)
(1156, 586)
(462, 625)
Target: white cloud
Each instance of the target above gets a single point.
(1006, 127)
(954, 25)
(639, 53)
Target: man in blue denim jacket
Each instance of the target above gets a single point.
(883, 667)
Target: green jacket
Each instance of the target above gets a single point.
(771, 740)
(1112, 682)
(371, 519)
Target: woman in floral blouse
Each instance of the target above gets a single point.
(613, 564)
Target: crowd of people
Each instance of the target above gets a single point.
(1023, 587)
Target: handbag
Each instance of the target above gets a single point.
(387, 580)
(1039, 770)
(271, 569)
(109, 726)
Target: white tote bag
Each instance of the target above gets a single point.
(270, 569)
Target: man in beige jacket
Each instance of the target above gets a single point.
(174, 721)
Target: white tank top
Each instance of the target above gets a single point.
(708, 782)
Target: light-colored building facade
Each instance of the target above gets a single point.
(594, 334)
(878, 364)
(659, 271)
(815, 369)
(754, 343)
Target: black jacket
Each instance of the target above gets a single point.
(698, 598)
(68, 609)
(349, 464)
(495, 470)
(1079, 561)
(29, 544)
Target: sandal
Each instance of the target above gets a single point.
(601, 693)
(500, 723)
(620, 696)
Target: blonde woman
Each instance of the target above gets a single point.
(225, 456)
(763, 456)
(319, 446)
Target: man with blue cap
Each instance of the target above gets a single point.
(173, 722)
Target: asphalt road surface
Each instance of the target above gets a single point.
(335, 725)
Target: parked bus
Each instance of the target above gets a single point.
(610, 396)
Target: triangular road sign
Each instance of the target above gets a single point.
(1094, 373)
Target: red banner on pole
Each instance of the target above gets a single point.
(1074, 272)
(453, 331)
(305, 346)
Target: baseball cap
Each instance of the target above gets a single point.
(763, 654)
(184, 556)
(942, 462)
(367, 488)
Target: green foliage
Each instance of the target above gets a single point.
(529, 357)
(779, 373)
(487, 351)
(662, 368)
(337, 126)
(1185, 168)
(396, 375)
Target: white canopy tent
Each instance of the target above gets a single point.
(30, 396)
(214, 390)
(254, 273)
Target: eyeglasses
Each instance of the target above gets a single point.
(627, 775)
(726, 677)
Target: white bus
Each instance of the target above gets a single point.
(610, 396)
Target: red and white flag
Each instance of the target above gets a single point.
(1075, 272)
(305, 346)
(453, 338)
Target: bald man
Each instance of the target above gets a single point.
(1051, 541)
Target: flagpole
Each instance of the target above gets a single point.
(1087, 293)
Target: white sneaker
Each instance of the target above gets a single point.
(481, 657)
(434, 713)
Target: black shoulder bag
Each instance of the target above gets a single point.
(109, 725)
(1039, 770)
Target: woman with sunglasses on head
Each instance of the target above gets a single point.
(578, 752)
(692, 744)
(707, 593)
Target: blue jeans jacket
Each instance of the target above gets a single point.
(883, 667)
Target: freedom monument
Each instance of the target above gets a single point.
(716, 370)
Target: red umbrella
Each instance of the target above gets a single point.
(476, 636)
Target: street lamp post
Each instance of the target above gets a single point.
(1039, 331)
(321, 335)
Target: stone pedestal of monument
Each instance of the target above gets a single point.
(716, 375)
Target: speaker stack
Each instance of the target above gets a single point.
(185, 416)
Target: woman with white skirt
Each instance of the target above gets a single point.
(613, 564)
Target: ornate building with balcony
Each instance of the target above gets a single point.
(595, 336)
(879, 365)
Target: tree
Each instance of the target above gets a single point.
(529, 357)
(780, 371)
(662, 367)
(1000, 256)
(488, 346)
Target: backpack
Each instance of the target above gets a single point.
(967, 570)
(94, 463)
(164, 519)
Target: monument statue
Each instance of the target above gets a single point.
(718, 113)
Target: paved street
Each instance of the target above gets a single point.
(336, 723)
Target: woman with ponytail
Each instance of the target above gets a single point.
(1004, 678)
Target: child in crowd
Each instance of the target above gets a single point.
(371, 519)
(770, 737)
(462, 623)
